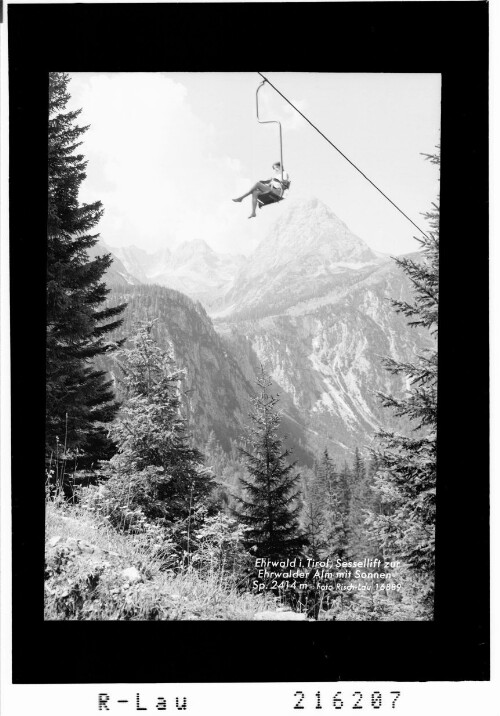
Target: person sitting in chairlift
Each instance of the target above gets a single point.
(276, 185)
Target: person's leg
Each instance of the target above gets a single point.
(259, 187)
(262, 188)
(255, 197)
(240, 198)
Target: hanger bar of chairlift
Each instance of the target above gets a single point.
(270, 121)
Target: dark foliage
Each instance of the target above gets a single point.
(156, 472)
(270, 508)
(406, 474)
(80, 400)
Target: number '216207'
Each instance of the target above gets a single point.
(339, 701)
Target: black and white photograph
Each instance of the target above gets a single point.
(249, 345)
(242, 372)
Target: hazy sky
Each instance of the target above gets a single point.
(167, 152)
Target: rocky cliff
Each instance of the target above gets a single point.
(314, 304)
(193, 268)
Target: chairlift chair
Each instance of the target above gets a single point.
(275, 194)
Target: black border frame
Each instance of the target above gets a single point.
(446, 37)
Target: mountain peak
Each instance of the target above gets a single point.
(195, 246)
(310, 227)
(307, 253)
(313, 206)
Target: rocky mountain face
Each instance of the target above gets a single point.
(327, 360)
(218, 385)
(217, 392)
(313, 306)
(117, 274)
(192, 268)
(307, 253)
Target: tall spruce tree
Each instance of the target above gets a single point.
(406, 477)
(80, 400)
(155, 467)
(270, 505)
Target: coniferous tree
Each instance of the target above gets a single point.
(406, 477)
(372, 469)
(228, 468)
(358, 468)
(373, 505)
(335, 488)
(80, 400)
(218, 461)
(361, 502)
(155, 468)
(314, 520)
(270, 505)
(215, 455)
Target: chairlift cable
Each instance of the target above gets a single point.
(342, 154)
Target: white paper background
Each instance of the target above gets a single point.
(432, 699)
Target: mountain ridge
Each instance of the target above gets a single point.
(193, 267)
(312, 304)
